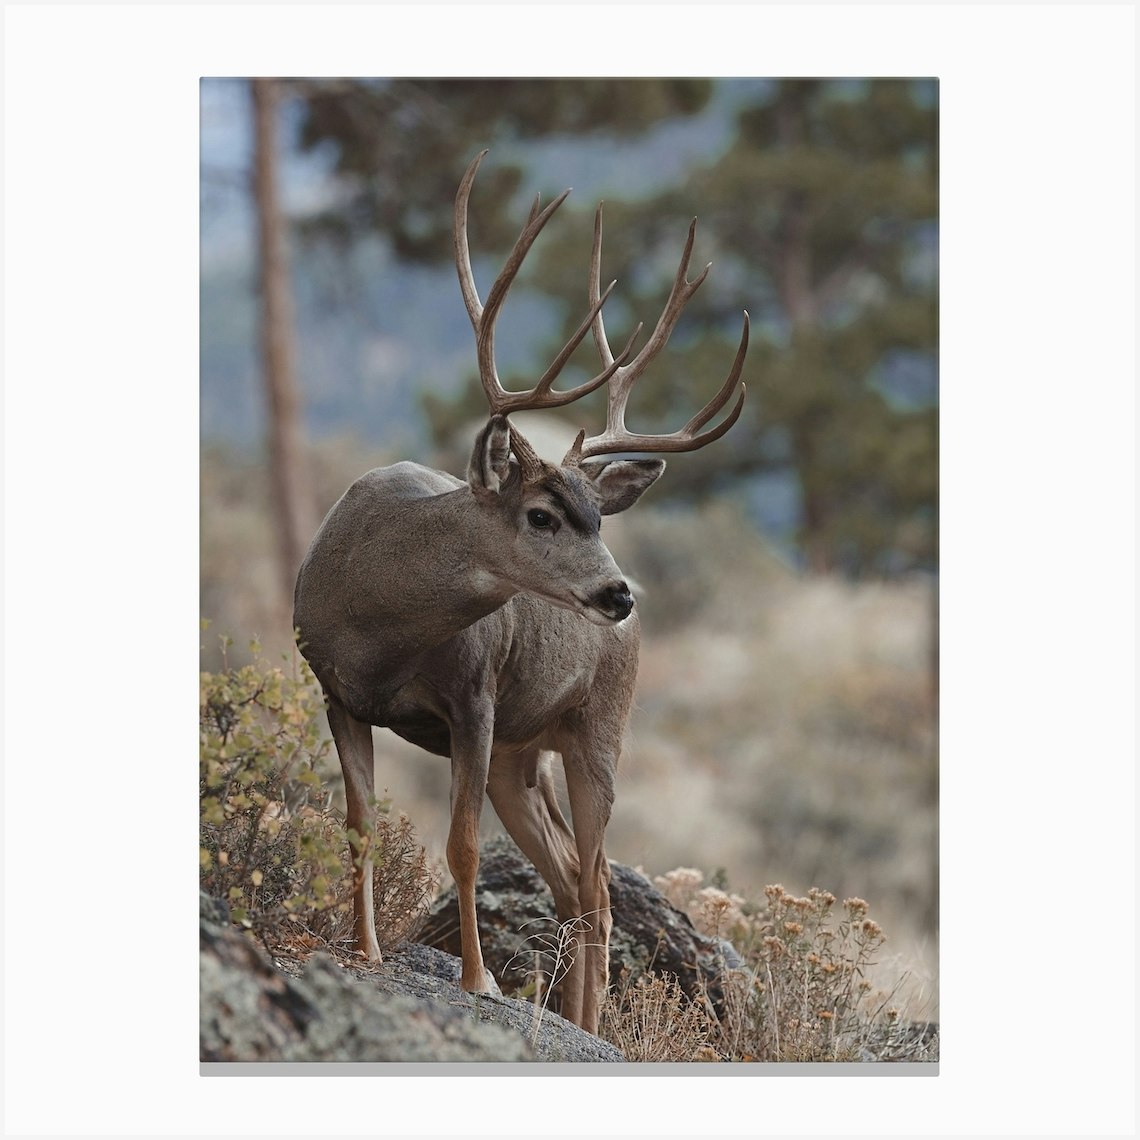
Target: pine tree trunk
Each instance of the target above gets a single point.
(293, 513)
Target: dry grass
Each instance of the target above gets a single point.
(652, 1020)
(545, 957)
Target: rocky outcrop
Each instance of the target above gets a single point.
(408, 1009)
(431, 975)
(515, 908)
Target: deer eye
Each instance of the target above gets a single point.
(540, 519)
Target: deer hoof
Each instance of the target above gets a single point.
(488, 985)
(369, 949)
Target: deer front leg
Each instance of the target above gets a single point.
(470, 761)
(353, 740)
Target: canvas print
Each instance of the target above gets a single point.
(569, 571)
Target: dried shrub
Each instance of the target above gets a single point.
(271, 843)
(805, 996)
(653, 1020)
(802, 993)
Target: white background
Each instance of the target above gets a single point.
(1037, 526)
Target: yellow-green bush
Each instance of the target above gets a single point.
(272, 843)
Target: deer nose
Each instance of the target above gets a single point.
(616, 601)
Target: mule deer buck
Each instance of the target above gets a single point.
(486, 620)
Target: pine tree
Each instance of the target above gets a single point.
(821, 220)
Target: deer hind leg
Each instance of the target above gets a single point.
(354, 747)
(470, 760)
(521, 788)
(590, 784)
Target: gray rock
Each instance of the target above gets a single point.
(410, 1008)
(361, 1023)
(212, 910)
(430, 974)
(649, 935)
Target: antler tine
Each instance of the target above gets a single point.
(721, 398)
(558, 399)
(595, 278)
(684, 440)
(497, 396)
(483, 317)
(462, 249)
(616, 437)
(679, 296)
(509, 272)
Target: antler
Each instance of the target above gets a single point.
(483, 318)
(616, 437)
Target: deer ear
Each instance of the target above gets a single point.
(621, 482)
(490, 461)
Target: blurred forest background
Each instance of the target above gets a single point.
(785, 726)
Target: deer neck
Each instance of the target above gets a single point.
(436, 580)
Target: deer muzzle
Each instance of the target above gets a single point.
(614, 602)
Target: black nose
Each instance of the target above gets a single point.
(615, 601)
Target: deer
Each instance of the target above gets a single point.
(485, 620)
